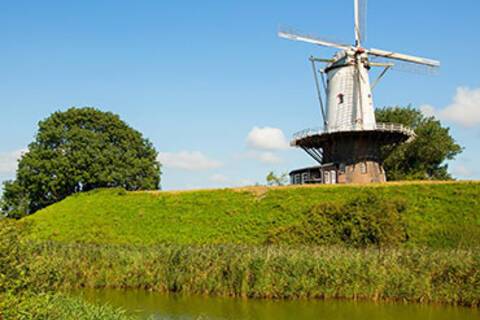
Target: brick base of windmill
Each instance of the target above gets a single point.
(347, 156)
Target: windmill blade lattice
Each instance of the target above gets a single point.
(297, 36)
(407, 67)
(360, 21)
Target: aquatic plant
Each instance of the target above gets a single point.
(56, 306)
(22, 297)
(407, 274)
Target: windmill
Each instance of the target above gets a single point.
(348, 146)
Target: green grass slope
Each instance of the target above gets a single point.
(436, 214)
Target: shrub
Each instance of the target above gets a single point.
(23, 297)
(369, 219)
(56, 306)
(13, 264)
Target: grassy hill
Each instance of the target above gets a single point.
(213, 242)
(436, 214)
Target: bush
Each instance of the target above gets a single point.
(22, 296)
(13, 264)
(56, 306)
(369, 219)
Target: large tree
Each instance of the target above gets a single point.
(425, 157)
(79, 150)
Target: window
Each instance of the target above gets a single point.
(326, 176)
(341, 98)
(342, 167)
(305, 177)
(363, 168)
(297, 178)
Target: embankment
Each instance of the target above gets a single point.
(442, 215)
(415, 242)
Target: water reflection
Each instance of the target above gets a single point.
(175, 307)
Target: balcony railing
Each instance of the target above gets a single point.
(390, 127)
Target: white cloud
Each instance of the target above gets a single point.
(8, 161)
(428, 110)
(187, 160)
(460, 170)
(219, 178)
(222, 180)
(268, 158)
(246, 182)
(265, 157)
(267, 139)
(464, 110)
(264, 143)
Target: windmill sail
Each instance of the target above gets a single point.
(360, 21)
(403, 66)
(349, 103)
(404, 57)
(312, 40)
(363, 19)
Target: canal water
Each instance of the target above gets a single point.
(174, 307)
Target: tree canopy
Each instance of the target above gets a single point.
(425, 157)
(79, 150)
(274, 179)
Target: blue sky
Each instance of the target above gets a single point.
(196, 77)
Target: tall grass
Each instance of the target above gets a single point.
(21, 295)
(29, 306)
(416, 275)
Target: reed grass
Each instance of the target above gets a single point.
(23, 298)
(28, 306)
(333, 272)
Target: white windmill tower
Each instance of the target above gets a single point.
(348, 145)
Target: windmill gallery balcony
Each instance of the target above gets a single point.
(385, 127)
(348, 154)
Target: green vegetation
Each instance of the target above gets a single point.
(274, 179)
(416, 275)
(444, 215)
(425, 158)
(79, 150)
(56, 306)
(364, 221)
(416, 242)
(24, 296)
